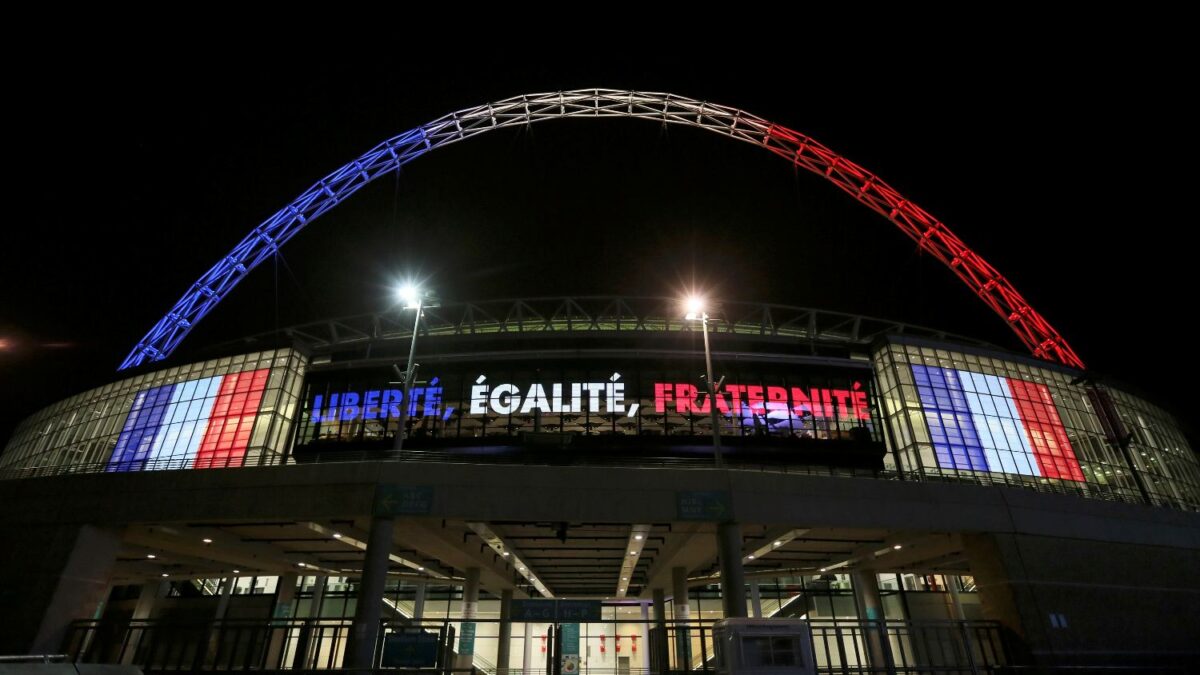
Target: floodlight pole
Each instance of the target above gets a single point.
(408, 378)
(712, 394)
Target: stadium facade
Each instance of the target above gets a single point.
(952, 480)
(925, 501)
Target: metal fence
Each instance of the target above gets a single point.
(840, 647)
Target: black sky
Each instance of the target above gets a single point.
(1059, 165)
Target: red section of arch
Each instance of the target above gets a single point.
(932, 236)
(1044, 429)
(232, 419)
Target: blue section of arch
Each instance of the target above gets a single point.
(266, 239)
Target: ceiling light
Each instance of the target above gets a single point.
(638, 537)
(237, 571)
(151, 556)
(337, 535)
(206, 540)
(624, 578)
(505, 554)
(633, 553)
(165, 574)
(300, 564)
(822, 569)
(779, 543)
(897, 547)
(750, 557)
(420, 569)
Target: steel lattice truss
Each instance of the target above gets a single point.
(930, 234)
(601, 314)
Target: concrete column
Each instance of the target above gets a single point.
(645, 646)
(504, 648)
(956, 608)
(303, 645)
(419, 601)
(151, 593)
(755, 599)
(214, 635)
(360, 648)
(679, 593)
(660, 624)
(318, 596)
(227, 585)
(866, 595)
(870, 611)
(470, 608)
(64, 578)
(285, 596)
(733, 577)
(683, 614)
(527, 651)
(285, 608)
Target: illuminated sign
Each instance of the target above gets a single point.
(378, 404)
(765, 403)
(769, 401)
(557, 397)
(624, 405)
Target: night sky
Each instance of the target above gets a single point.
(138, 174)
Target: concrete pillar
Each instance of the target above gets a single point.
(866, 595)
(660, 624)
(419, 601)
(214, 635)
(285, 608)
(227, 585)
(527, 650)
(956, 608)
(303, 645)
(63, 577)
(870, 611)
(680, 593)
(645, 646)
(755, 599)
(733, 577)
(318, 595)
(360, 648)
(504, 648)
(683, 614)
(470, 608)
(151, 593)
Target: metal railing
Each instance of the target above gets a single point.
(840, 647)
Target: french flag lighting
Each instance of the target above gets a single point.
(983, 422)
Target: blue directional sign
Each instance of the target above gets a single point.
(536, 609)
(403, 500)
(578, 610)
(712, 506)
(466, 639)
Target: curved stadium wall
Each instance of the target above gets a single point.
(829, 393)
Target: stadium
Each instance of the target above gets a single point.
(568, 484)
